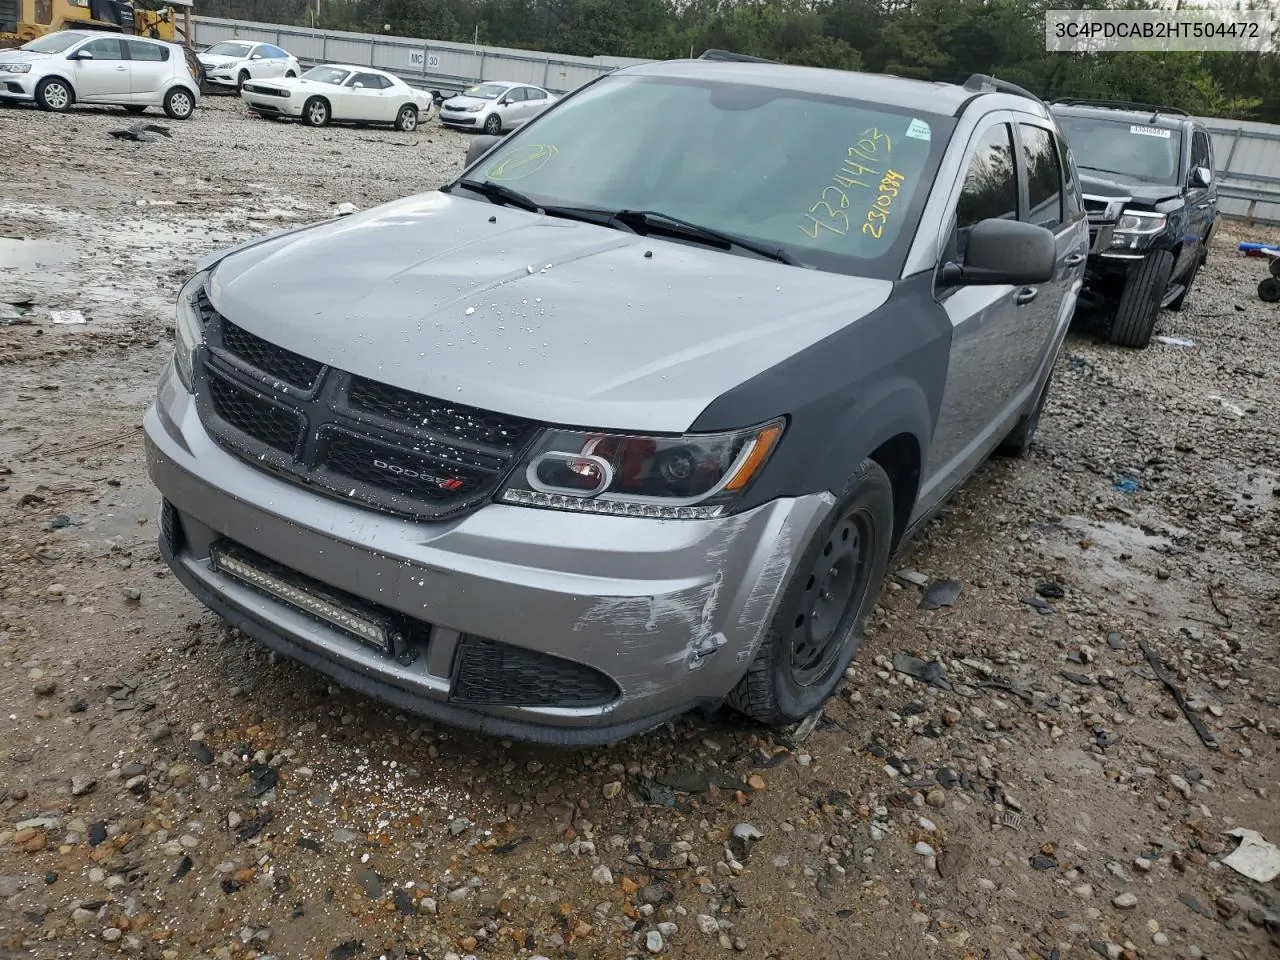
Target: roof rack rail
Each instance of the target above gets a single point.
(980, 81)
(728, 55)
(1120, 105)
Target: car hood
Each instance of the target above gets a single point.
(1144, 192)
(464, 101)
(545, 318)
(295, 83)
(217, 61)
(22, 56)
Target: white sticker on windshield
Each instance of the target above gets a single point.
(918, 130)
(1151, 132)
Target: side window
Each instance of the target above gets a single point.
(1071, 201)
(151, 52)
(105, 48)
(990, 187)
(1200, 150)
(516, 94)
(1044, 176)
(273, 53)
(367, 80)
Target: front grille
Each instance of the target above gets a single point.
(266, 91)
(497, 674)
(348, 436)
(465, 423)
(170, 527)
(254, 415)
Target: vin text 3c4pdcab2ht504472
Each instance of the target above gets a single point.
(598, 432)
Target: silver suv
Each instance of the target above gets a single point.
(630, 417)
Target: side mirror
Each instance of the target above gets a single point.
(256, 56)
(81, 55)
(1004, 251)
(1201, 177)
(479, 146)
(504, 102)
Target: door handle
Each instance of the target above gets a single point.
(1026, 295)
(122, 67)
(1074, 260)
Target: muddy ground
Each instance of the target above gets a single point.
(169, 789)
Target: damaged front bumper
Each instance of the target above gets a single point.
(560, 627)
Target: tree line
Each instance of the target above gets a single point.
(945, 40)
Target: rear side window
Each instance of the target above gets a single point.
(990, 186)
(1071, 205)
(1044, 176)
(367, 80)
(151, 52)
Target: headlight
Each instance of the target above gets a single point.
(15, 67)
(694, 477)
(475, 108)
(188, 328)
(1135, 226)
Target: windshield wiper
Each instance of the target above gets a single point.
(500, 193)
(656, 220)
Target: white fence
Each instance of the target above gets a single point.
(426, 63)
(1247, 155)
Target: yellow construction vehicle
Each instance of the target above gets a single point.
(22, 21)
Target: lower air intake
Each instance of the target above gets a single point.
(496, 674)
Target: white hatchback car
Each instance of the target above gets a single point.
(340, 92)
(495, 106)
(230, 63)
(84, 66)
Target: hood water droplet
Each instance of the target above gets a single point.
(470, 310)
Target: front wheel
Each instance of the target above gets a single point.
(493, 125)
(818, 626)
(1139, 306)
(178, 103)
(241, 80)
(407, 119)
(315, 112)
(54, 94)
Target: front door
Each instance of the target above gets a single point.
(104, 77)
(991, 354)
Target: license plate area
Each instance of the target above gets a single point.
(298, 592)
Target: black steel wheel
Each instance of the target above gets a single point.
(818, 624)
(1269, 290)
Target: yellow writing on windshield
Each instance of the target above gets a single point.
(878, 213)
(862, 164)
(523, 163)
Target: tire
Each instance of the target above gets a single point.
(179, 103)
(241, 80)
(493, 125)
(315, 112)
(1135, 318)
(1269, 290)
(1023, 434)
(135, 109)
(54, 94)
(858, 535)
(1180, 300)
(407, 119)
(1274, 268)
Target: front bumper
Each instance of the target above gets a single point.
(459, 119)
(671, 611)
(17, 86)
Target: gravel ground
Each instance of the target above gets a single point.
(170, 789)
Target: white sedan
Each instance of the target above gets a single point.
(230, 63)
(343, 93)
(495, 106)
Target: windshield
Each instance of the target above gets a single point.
(836, 184)
(326, 75)
(53, 42)
(486, 91)
(228, 48)
(1119, 147)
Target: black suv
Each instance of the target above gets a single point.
(1147, 177)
